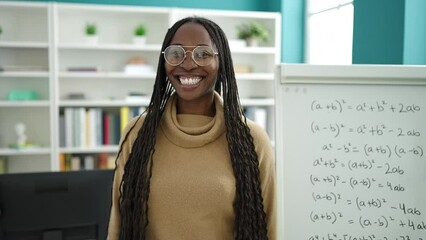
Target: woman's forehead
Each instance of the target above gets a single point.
(191, 34)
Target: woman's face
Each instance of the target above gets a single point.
(193, 83)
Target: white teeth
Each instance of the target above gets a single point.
(189, 80)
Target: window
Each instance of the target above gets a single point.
(329, 31)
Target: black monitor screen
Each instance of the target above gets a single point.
(55, 205)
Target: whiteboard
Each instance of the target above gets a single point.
(350, 152)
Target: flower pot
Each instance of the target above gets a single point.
(139, 40)
(252, 42)
(91, 39)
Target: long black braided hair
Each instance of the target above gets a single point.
(250, 218)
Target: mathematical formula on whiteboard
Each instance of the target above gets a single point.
(352, 159)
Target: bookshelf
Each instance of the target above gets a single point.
(74, 73)
(26, 65)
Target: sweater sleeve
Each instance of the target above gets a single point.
(126, 147)
(267, 176)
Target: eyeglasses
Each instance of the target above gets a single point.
(176, 54)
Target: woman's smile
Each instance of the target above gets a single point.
(189, 81)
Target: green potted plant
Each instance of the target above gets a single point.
(252, 32)
(140, 34)
(91, 33)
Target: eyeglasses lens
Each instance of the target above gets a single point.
(202, 55)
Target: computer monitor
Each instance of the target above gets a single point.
(55, 205)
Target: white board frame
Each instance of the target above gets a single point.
(289, 74)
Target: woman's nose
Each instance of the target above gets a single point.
(188, 62)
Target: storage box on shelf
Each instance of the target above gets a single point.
(104, 78)
(25, 87)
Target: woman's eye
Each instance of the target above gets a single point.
(176, 54)
(203, 54)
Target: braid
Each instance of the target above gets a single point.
(250, 219)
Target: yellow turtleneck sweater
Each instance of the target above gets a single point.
(193, 185)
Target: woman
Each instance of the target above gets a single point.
(192, 166)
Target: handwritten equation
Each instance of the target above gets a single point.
(342, 105)
(367, 222)
(361, 170)
(368, 150)
(345, 236)
(355, 165)
(354, 182)
(336, 129)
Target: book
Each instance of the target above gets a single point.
(3, 165)
(106, 129)
(67, 162)
(99, 125)
(83, 69)
(103, 161)
(89, 162)
(94, 127)
(79, 127)
(62, 134)
(75, 163)
(124, 117)
(69, 125)
(61, 159)
(114, 128)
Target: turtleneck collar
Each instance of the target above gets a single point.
(191, 131)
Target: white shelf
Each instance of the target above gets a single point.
(24, 74)
(102, 103)
(23, 152)
(110, 47)
(98, 149)
(35, 103)
(23, 44)
(113, 75)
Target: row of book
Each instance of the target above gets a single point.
(91, 127)
(76, 162)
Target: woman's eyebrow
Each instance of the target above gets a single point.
(201, 44)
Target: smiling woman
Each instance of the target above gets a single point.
(192, 166)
